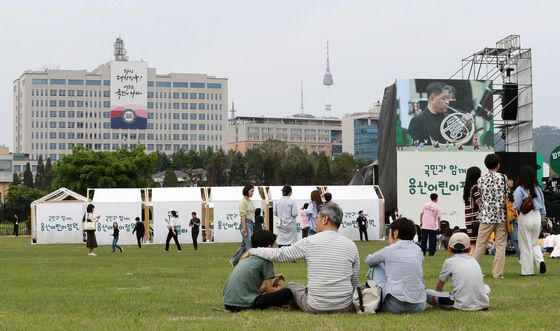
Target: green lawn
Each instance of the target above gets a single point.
(59, 287)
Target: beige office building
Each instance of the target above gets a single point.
(55, 110)
(309, 133)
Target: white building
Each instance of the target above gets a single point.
(55, 110)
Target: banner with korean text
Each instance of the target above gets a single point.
(60, 222)
(421, 173)
(129, 84)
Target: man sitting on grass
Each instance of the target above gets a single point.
(468, 289)
(243, 289)
(333, 265)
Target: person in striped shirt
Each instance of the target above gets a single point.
(333, 265)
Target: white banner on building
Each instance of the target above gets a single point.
(129, 95)
(421, 173)
(60, 222)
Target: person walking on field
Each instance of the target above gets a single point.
(194, 223)
(16, 225)
(140, 231)
(430, 222)
(246, 212)
(286, 210)
(530, 222)
(172, 227)
(492, 214)
(362, 225)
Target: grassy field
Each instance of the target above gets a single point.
(59, 287)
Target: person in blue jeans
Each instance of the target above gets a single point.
(397, 269)
(246, 212)
(116, 237)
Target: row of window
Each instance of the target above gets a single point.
(97, 82)
(107, 125)
(292, 138)
(107, 94)
(106, 114)
(107, 104)
(131, 137)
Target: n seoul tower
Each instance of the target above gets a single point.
(328, 81)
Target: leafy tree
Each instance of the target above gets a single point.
(217, 168)
(85, 169)
(170, 179)
(40, 175)
(19, 199)
(296, 168)
(273, 151)
(255, 171)
(194, 160)
(323, 172)
(48, 175)
(179, 160)
(15, 180)
(344, 167)
(162, 161)
(28, 176)
(237, 170)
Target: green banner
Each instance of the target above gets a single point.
(555, 160)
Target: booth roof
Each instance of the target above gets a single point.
(358, 192)
(298, 192)
(117, 195)
(231, 193)
(176, 194)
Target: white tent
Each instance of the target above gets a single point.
(225, 202)
(351, 200)
(57, 217)
(184, 200)
(117, 205)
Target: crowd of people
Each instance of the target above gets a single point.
(333, 262)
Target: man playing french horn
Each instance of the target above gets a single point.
(433, 124)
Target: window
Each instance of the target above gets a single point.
(184, 126)
(52, 135)
(58, 81)
(193, 116)
(93, 82)
(61, 146)
(198, 85)
(71, 125)
(107, 94)
(150, 94)
(150, 105)
(62, 93)
(106, 104)
(193, 105)
(52, 93)
(184, 95)
(71, 93)
(193, 95)
(193, 126)
(75, 82)
(62, 103)
(176, 105)
(52, 125)
(214, 85)
(62, 125)
(163, 84)
(52, 145)
(201, 106)
(202, 127)
(52, 103)
(71, 113)
(37, 81)
(80, 103)
(181, 84)
(80, 93)
(80, 114)
(71, 103)
(202, 96)
(176, 95)
(184, 105)
(176, 126)
(52, 113)
(106, 82)
(150, 83)
(61, 135)
(150, 126)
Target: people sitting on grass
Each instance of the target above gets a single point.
(397, 269)
(252, 284)
(333, 265)
(468, 291)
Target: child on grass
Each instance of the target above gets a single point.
(252, 284)
(116, 237)
(468, 289)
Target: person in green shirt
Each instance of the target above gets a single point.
(252, 284)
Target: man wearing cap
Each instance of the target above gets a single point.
(286, 212)
(333, 265)
(468, 289)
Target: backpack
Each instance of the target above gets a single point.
(367, 298)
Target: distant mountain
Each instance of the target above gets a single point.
(545, 139)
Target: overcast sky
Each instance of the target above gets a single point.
(265, 48)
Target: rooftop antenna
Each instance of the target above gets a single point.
(232, 110)
(328, 82)
(119, 51)
(301, 97)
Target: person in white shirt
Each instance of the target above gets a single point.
(172, 227)
(286, 211)
(468, 289)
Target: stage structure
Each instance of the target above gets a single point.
(509, 66)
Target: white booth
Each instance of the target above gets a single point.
(225, 203)
(184, 200)
(57, 217)
(116, 205)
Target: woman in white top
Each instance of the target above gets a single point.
(530, 223)
(172, 227)
(91, 241)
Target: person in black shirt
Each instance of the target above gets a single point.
(362, 225)
(16, 225)
(116, 237)
(195, 228)
(140, 231)
(425, 127)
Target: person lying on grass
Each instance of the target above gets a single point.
(252, 284)
(468, 289)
